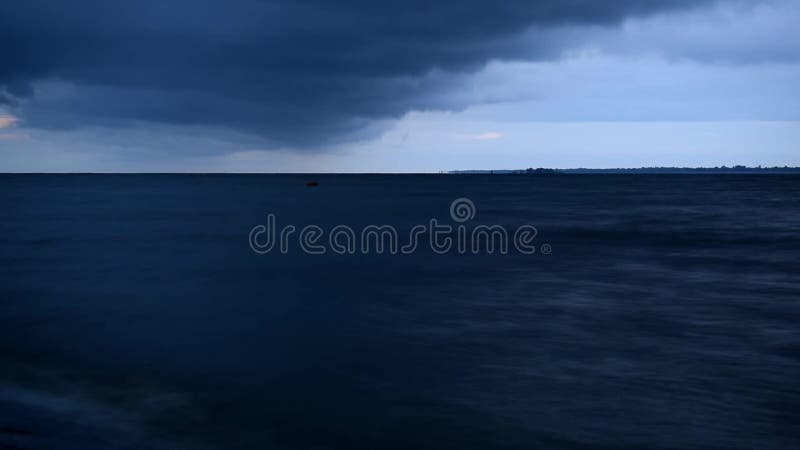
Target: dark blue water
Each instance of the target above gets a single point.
(134, 315)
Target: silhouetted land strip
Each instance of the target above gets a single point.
(637, 170)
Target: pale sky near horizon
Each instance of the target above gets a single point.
(354, 88)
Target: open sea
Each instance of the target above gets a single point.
(657, 312)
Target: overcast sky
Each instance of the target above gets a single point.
(383, 86)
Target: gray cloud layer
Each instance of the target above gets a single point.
(300, 73)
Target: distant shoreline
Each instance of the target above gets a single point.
(637, 170)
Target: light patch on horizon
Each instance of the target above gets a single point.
(488, 136)
(9, 136)
(8, 121)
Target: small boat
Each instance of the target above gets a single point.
(312, 184)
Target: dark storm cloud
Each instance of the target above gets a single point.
(298, 72)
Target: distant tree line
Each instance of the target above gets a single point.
(649, 170)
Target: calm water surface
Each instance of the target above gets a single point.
(133, 315)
